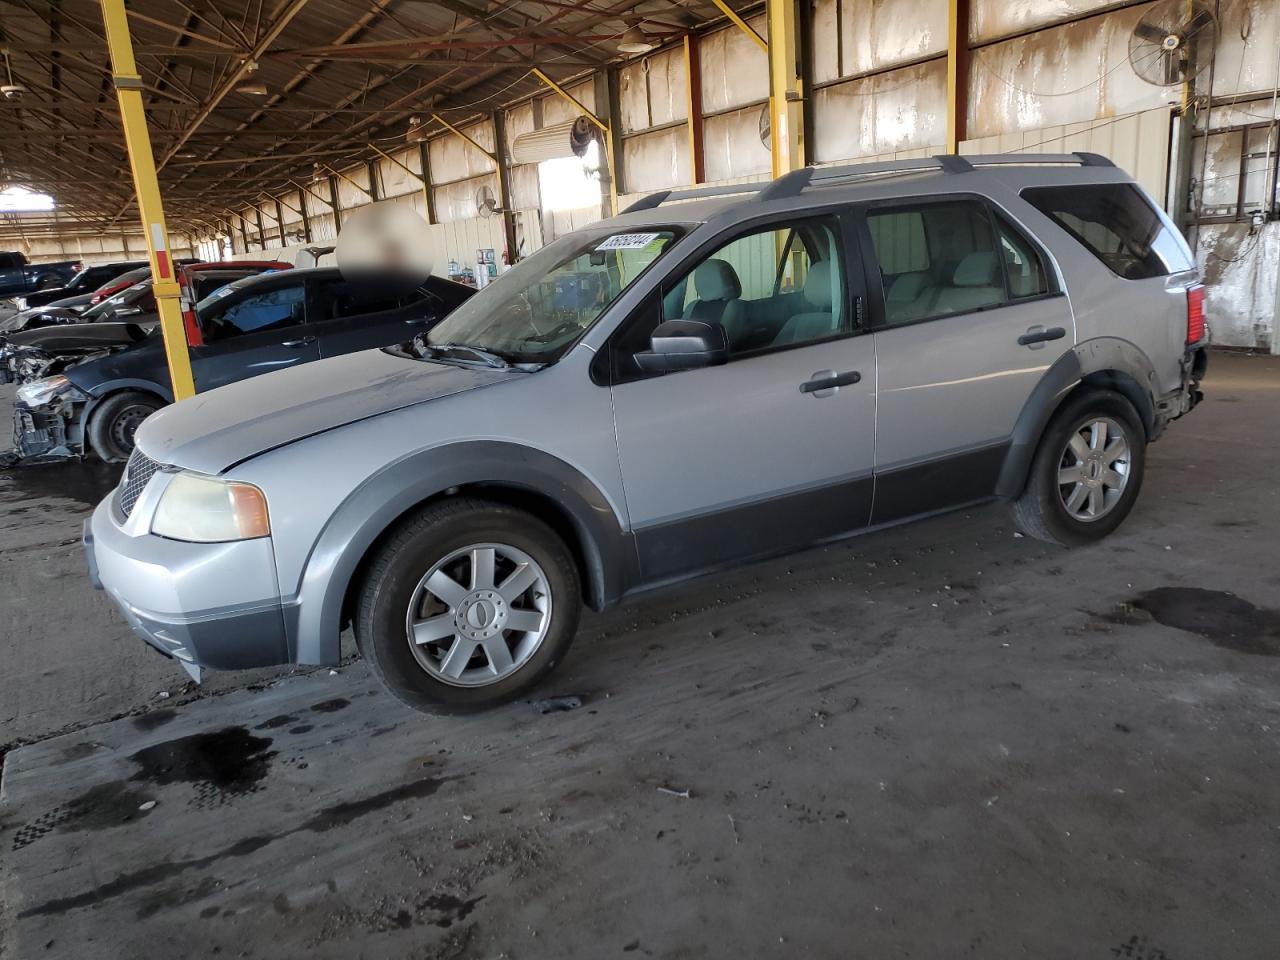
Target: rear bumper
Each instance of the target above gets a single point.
(1195, 362)
(164, 589)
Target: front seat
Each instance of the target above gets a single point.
(819, 321)
(718, 289)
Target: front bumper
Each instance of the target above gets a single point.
(54, 431)
(205, 604)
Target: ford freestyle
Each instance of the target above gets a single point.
(714, 376)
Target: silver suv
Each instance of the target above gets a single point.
(714, 376)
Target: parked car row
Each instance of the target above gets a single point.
(87, 385)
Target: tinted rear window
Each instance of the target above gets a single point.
(1115, 223)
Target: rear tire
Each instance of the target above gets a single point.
(433, 611)
(1087, 471)
(116, 420)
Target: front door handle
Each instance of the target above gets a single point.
(824, 382)
(1037, 336)
(301, 342)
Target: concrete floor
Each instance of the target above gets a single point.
(938, 741)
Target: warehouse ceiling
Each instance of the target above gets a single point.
(242, 94)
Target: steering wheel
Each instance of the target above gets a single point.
(559, 330)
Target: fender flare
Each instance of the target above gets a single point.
(1108, 361)
(313, 615)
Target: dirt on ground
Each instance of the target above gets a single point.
(939, 740)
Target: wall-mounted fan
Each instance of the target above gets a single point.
(1173, 42)
(486, 202)
(766, 127)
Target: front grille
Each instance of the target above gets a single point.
(137, 474)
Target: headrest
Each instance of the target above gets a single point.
(716, 280)
(975, 270)
(907, 287)
(817, 286)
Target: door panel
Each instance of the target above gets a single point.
(253, 334)
(954, 384)
(969, 322)
(351, 315)
(730, 462)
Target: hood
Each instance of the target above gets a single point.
(38, 316)
(215, 430)
(78, 337)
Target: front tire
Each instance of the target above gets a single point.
(115, 422)
(467, 605)
(1087, 471)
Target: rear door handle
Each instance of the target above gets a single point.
(302, 342)
(824, 382)
(1037, 336)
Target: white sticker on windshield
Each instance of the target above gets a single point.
(628, 241)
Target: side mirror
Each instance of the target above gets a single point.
(684, 345)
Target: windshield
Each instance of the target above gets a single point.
(535, 312)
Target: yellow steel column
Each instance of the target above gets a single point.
(128, 84)
(957, 73)
(786, 96)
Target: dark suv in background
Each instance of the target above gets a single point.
(250, 326)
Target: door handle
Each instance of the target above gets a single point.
(1036, 336)
(420, 321)
(824, 382)
(301, 342)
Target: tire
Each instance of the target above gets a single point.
(1090, 504)
(116, 420)
(443, 674)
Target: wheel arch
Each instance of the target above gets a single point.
(113, 389)
(508, 473)
(1106, 362)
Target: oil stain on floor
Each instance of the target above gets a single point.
(1224, 619)
(220, 765)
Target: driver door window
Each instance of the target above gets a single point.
(770, 289)
(271, 310)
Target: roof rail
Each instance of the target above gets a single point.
(794, 183)
(695, 193)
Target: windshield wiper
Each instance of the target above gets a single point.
(484, 356)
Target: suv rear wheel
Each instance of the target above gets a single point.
(467, 605)
(1087, 471)
(116, 420)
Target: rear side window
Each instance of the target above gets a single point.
(1115, 223)
(355, 298)
(937, 259)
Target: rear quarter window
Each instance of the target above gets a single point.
(1117, 224)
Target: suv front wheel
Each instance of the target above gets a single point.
(1087, 471)
(467, 605)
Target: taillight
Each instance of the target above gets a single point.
(1195, 314)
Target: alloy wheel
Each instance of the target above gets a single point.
(479, 614)
(1094, 469)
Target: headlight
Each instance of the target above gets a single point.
(39, 392)
(210, 510)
